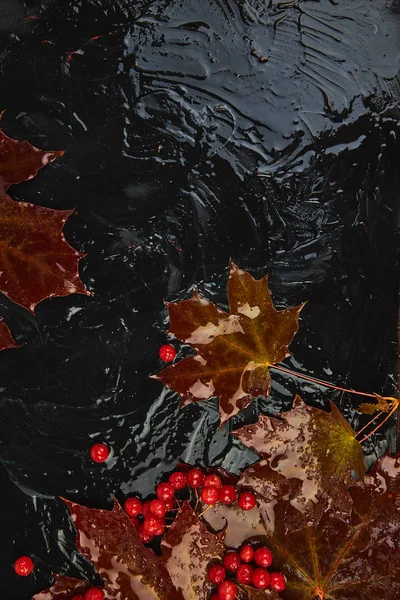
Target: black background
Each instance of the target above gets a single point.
(185, 147)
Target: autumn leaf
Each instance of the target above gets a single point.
(359, 560)
(309, 446)
(64, 588)
(233, 350)
(6, 339)
(129, 569)
(383, 404)
(36, 262)
(188, 549)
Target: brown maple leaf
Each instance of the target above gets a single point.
(233, 350)
(6, 339)
(64, 588)
(309, 446)
(110, 541)
(359, 560)
(36, 262)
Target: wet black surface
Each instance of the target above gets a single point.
(195, 131)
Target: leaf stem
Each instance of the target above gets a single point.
(320, 381)
(380, 424)
(369, 423)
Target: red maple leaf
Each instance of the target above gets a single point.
(36, 262)
(233, 350)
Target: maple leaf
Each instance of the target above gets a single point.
(36, 262)
(188, 548)
(6, 339)
(306, 445)
(383, 403)
(64, 588)
(359, 560)
(235, 349)
(129, 569)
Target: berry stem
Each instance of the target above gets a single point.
(320, 381)
(205, 510)
(380, 424)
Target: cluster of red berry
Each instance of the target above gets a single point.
(238, 565)
(148, 517)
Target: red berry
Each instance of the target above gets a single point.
(212, 481)
(261, 578)
(247, 500)
(216, 573)
(244, 573)
(246, 553)
(209, 495)
(157, 508)
(146, 509)
(145, 536)
(165, 491)
(133, 507)
(177, 480)
(24, 566)
(153, 526)
(263, 557)
(214, 597)
(277, 582)
(227, 590)
(94, 593)
(195, 478)
(227, 494)
(99, 453)
(78, 597)
(169, 504)
(232, 561)
(167, 352)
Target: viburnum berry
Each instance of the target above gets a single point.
(145, 536)
(227, 590)
(261, 578)
(99, 453)
(24, 566)
(246, 500)
(232, 561)
(246, 553)
(277, 582)
(243, 573)
(133, 507)
(194, 478)
(94, 593)
(167, 352)
(135, 521)
(209, 495)
(169, 504)
(227, 494)
(177, 480)
(165, 491)
(214, 597)
(153, 526)
(212, 481)
(157, 508)
(216, 573)
(146, 508)
(263, 557)
(78, 597)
